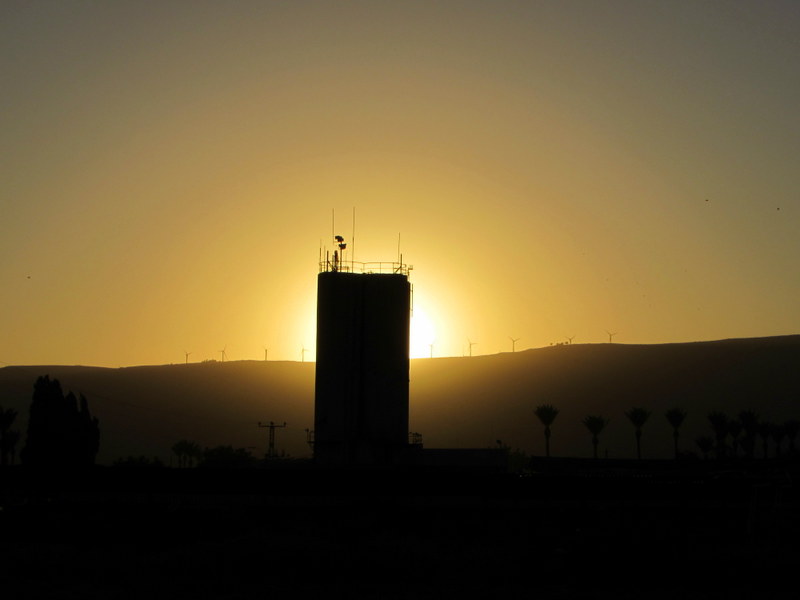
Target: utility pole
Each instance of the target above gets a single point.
(271, 447)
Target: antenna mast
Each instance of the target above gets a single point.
(271, 447)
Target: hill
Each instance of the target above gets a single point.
(455, 402)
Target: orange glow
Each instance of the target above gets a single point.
(423, 334)
(552, 172)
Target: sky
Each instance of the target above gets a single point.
(170, 170)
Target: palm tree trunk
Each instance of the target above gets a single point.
(547, 442)
(595, 441)
(638, 445)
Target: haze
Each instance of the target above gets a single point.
(553, 169)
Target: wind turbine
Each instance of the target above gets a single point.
(431, 346)
(265, 353)
(569, 339)
(222, 353)
(187, 356)
(513, 343)
(610, 335)
(303, 354)
(471, 344)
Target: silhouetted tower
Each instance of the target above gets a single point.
(361, 393)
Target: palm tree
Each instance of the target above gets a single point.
(595, 424)
(705, 443)
(193, 453)
(675, 416)
(719, 423)
(749, 421)
(638, 416)
(547, 414)
(179, 449)
(7, 417)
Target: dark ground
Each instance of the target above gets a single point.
(574, 529)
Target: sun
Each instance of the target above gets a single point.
(422, 334)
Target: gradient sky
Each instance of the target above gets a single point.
(168, 172)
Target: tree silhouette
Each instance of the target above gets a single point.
(706, 444)
(719, 423)
(7, 417)
(791, 428)
(546, 414)
(675, 416)
(777, 433)
(765, 431)
(10, 442)
(178, 449)
(187, 452)
(749, 421)
(193, 453)
(595, 424)
(734, 429)
(60, 434)
(638, 416)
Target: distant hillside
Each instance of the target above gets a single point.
(455, 402)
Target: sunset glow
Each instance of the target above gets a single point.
(552, 169)
(423, 334)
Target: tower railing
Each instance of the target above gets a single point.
(367, 268)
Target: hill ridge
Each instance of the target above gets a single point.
(455, 401)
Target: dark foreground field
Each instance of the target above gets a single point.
(573, 529)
